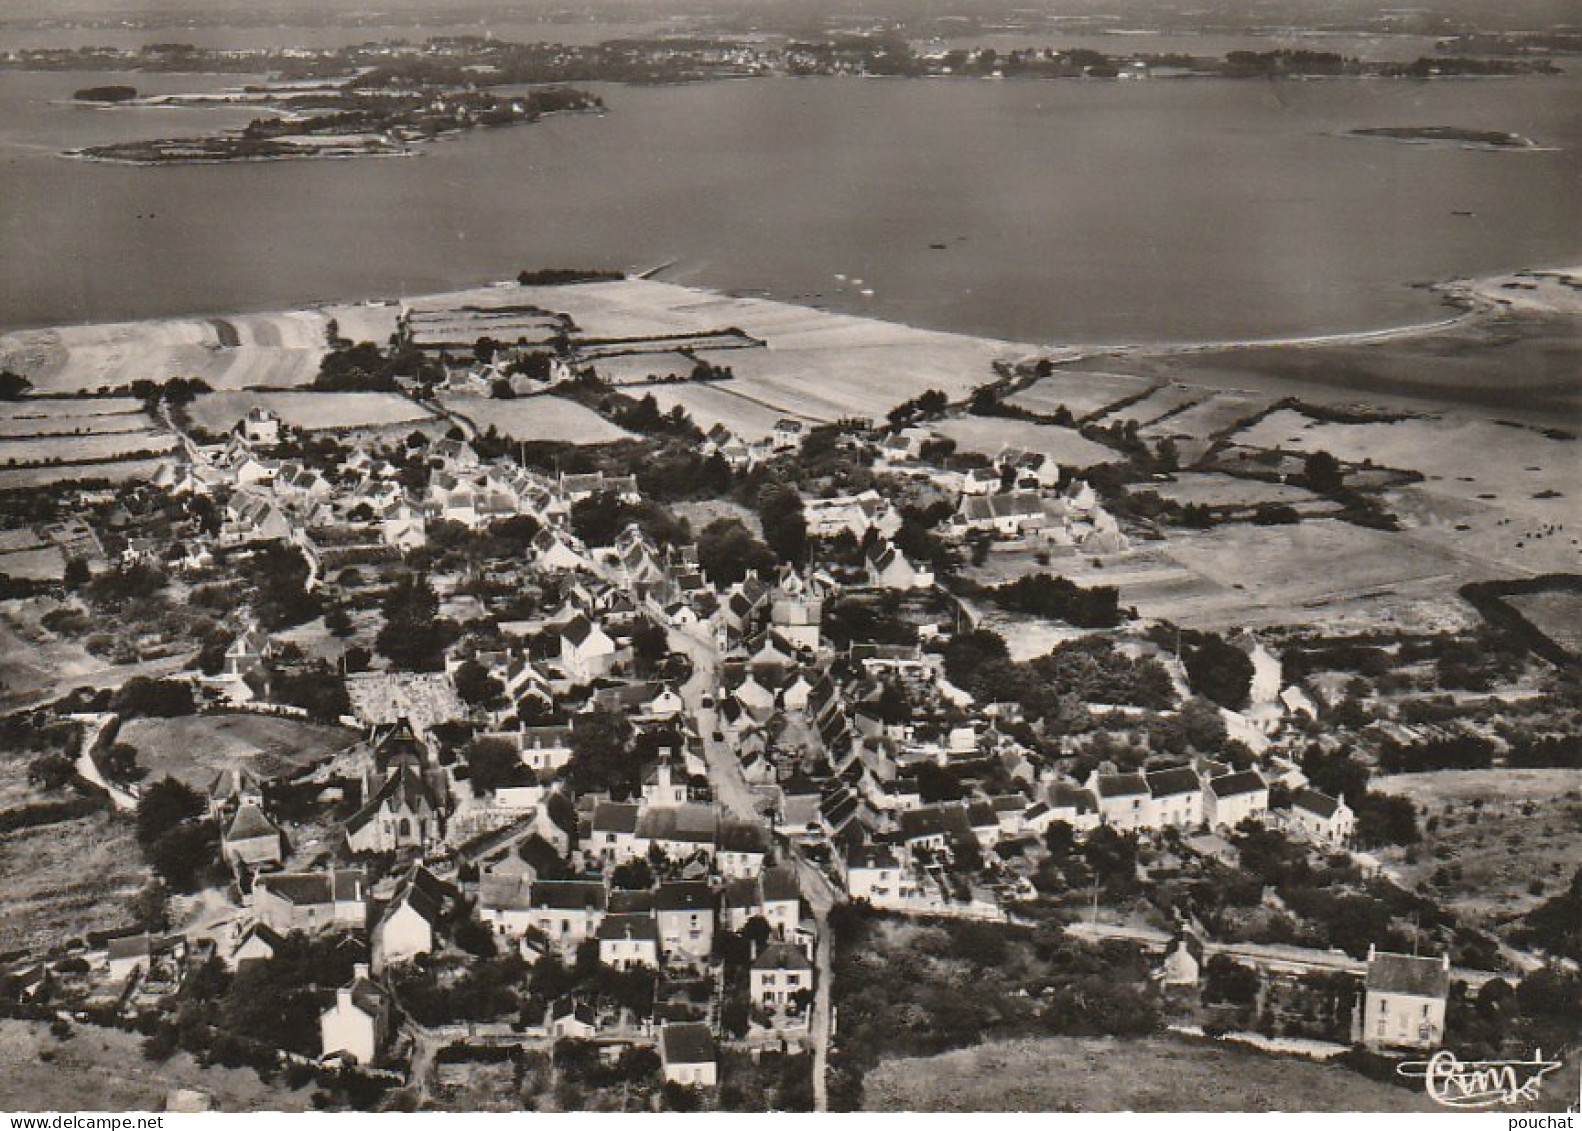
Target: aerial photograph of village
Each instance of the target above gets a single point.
(791, 556)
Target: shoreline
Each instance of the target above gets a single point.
(1467, 293)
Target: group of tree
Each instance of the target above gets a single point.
(413, 636)
(181, 844)
(1058, 598)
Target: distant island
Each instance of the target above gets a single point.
(1453, 135)
(345, 121)
(106, 94)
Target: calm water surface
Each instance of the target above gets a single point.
(1066, 210)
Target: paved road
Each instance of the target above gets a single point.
(821, 895)
(725, 770)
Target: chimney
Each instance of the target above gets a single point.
(343, 998)
(1370, 952)
(1445, 959)
(360, 972)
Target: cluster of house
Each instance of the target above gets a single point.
(1402, 998)
(1016, 495)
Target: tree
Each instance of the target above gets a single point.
(727, 550)
(477, 687)
(967, 652)
(634, 875)
(13, 386)
(185, 855)
(1218, 670)
(492, 763)
(77, 574)
(784, 524)
(1228, 980)
(475, 938)
(602, 757)
(164, 805)
(1323, 473)
(1384, 819)
(1112, 856)
(158, 698)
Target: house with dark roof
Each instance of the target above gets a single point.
(684, 913)
(1176, 797)
(1230, 799)
(411, 923)
(311, 901)
(251, 840)
(779, 973)
(629, 939)
(357, 1026)
(1124, 800)
(1404, 1000)
(686, 1053)
(1321, 818)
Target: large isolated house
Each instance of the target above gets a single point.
(1404, 1005)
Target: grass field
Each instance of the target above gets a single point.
(1229, 491)
(219, 412)
(196, 747)
(988, 434)
(104, 1070)
(1160, 403)
(537, 418)
(89, 447)
(1556, 613)
(723, 403)
(235, 352)
(117, 471)
(1493, 834)
(56, 408)
(1073, 1074)
(59, 881)
(1221, 412)
(1083, 392)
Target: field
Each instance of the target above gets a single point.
(1322, 571)
(727, 403)
(1230, 491)
(1491, 836)
(1221, 412)
(196, 747)
(36, 563)
(1075, 1074)
(1556, 613)
(988, 434)
(104, 1070)
(59, 881)
(1160, 403)
(117, 471)
(87, 448)
(219, 412)
(1082, 392)
(235, 352)
(536, 418)
(1509, 507)
(64, 408)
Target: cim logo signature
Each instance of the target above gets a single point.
(1454, 1082)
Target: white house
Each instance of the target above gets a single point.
(1230, 799)
(686, 1051)
(778, 974)
(358, 1023)
(1404, 1003)
(629, 940)
(1322, 818)
(586, 650)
